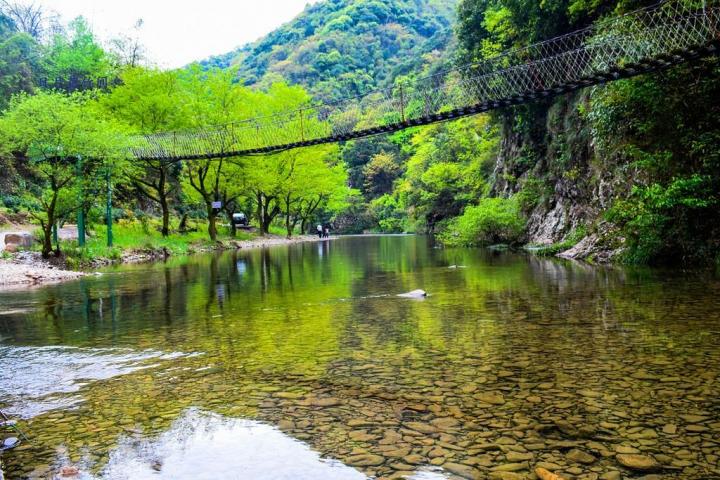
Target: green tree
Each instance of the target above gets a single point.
(216, 101)
(19, 53)
(449, 168)
(77, 53)
(380, 174)
(152, 101)
(64, 139)
(314, 180)
(493, 220)
(273, 182)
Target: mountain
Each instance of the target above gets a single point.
(337, 48)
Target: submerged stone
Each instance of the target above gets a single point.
(491, 398)
(637, 462)
(578, 456)
(464, 471)
(365, 460)
(324, 402)
(421, 427)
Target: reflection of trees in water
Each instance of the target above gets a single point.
(288, 301)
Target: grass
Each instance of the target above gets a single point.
(128, 237)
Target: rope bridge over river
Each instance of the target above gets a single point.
(643, 41)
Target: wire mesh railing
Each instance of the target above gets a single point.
(649, 39)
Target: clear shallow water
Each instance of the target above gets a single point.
(39, 379)
(511, 362)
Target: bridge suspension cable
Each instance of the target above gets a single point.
(643, 41)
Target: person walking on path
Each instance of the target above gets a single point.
(320, 231)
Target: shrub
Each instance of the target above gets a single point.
(388, 212)
(668, 223)
(493, 220)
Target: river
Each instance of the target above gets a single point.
(302, 362)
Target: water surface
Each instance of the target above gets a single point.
(301, 362)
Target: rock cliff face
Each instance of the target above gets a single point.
(548, 149)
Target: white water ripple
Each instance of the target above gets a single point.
(34, 380)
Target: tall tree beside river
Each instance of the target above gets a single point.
(66, 145)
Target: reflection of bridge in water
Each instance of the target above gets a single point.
(646, 40)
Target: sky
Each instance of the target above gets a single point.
(178, 32)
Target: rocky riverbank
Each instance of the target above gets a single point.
(24, 269)
(30, 271)
(144, 255)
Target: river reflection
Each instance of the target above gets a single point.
(510, 363)
(202, 446)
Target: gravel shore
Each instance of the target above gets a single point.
(18, 274)
(28, 268)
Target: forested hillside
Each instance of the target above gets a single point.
(341, 48)
(623, 170)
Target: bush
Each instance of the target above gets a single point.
(16, 203)
(389, 214)
(666, 224)
(493, 220)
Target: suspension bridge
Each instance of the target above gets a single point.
(643, 41)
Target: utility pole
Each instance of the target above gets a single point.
(108, 209)
(81, 210)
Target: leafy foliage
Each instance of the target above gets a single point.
(652, 140)
(77, 53)
(664, 133)
(493, 220)
(66, 145)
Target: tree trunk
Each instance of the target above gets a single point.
(260, 214)
(233, 228)
(165, 216)
(288, 225)
(47, 238)
(47, 227)
(212, 228)
(268, 217)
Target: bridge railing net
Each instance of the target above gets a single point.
(641, 41)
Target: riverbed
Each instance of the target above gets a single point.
(302, 362)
